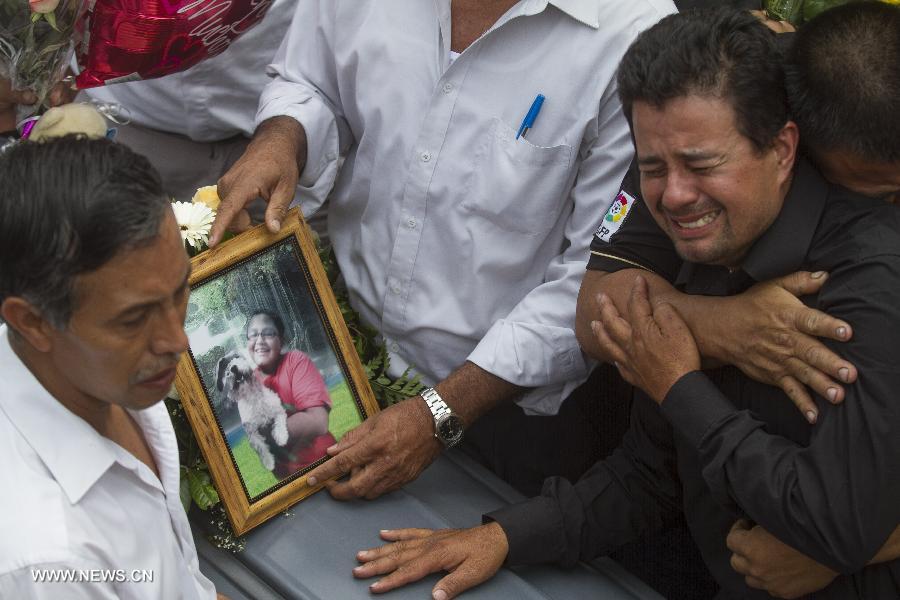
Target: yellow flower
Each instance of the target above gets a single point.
(207, 195)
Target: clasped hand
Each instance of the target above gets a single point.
(771, 565)
(653, 347)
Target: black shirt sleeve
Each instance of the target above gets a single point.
(834, 499)
(628, 236)
(634, 490)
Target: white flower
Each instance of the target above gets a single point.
(195, 221)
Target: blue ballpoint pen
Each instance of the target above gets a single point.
(528, 121)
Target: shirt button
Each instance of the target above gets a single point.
(411, 223)
(448, 87)
(425, 156)
(395, 347)
(395, 289)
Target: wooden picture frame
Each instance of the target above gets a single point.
(225, 390)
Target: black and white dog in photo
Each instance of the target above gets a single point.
(258, 406)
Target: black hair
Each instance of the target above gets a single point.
(276, 320)
(722, 52)
(69, 205)
(843, 81)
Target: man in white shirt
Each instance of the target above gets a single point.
(93, 293)
(463, 242)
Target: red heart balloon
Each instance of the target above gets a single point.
(128, 40)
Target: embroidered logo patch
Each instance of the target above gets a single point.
(615, 216)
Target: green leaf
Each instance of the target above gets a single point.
(184, 490)
(202, 490)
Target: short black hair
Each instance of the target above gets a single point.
(69, 205)
(275, 317)
(843, 81)
(722, 52)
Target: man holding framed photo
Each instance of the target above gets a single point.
(461, 214)
(93, 292)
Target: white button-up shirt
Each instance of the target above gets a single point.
(215, 99)
(457, 240)
(77, 506)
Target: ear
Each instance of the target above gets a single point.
(26, 320)
(785, 147)
(220, 371)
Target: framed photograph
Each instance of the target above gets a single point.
(272, 378)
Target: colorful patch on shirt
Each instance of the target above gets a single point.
(615, 216)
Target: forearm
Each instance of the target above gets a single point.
(284, 133)
(891, 549)
(308, 424)
(471, 391)
(697, 311)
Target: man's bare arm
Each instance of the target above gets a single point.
(890, 550)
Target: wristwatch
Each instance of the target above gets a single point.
(448, 427)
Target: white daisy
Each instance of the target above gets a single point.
(195, 221)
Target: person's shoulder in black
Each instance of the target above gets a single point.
(854, 230)
(628, 236)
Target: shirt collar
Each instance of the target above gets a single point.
(583, 11)
(783, 247)
(74, 453)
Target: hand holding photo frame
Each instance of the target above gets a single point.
(272, 378)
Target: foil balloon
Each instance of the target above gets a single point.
(129, 40)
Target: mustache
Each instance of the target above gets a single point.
(165, 364)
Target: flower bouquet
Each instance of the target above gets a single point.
(36, 45)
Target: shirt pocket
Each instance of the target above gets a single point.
(516, 185)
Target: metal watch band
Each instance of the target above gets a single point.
(435, 403)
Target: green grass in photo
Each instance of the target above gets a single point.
(256, 477)
(344, 416)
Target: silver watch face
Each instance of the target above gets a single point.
(449, 429)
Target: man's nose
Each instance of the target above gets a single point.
(680, 192)
(169, 336)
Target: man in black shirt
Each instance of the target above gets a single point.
(841, 81)
(717, 151)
